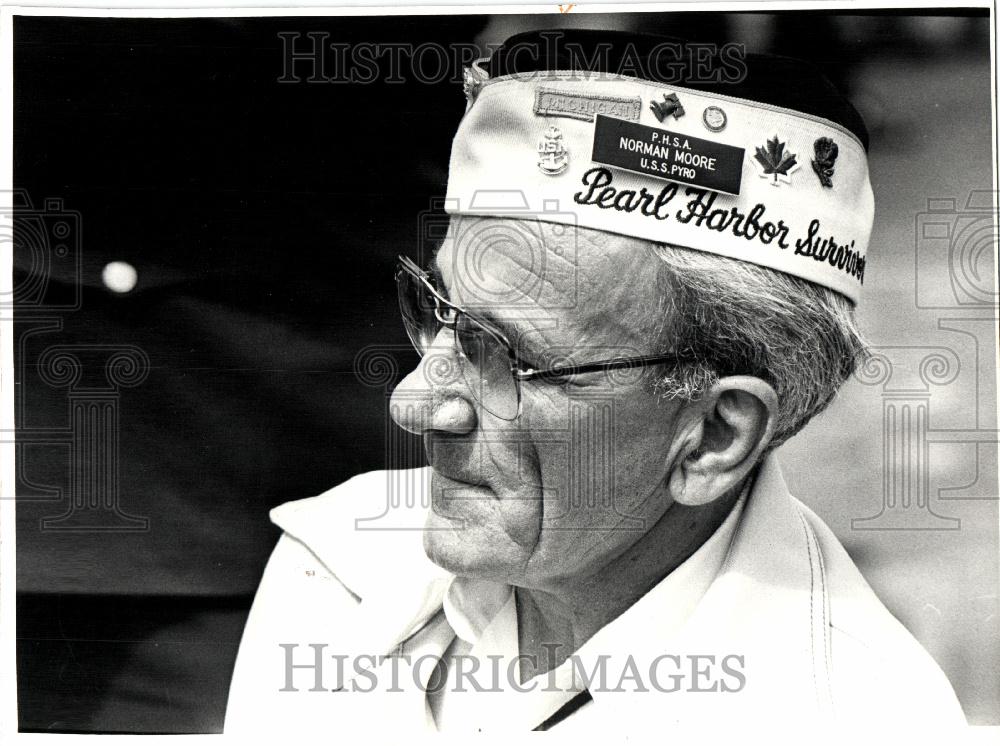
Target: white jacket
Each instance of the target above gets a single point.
(816, 641)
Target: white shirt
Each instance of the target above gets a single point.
(483, 615)
(818, 645)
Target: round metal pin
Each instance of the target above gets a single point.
(714, 118)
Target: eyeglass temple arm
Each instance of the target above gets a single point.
(409, 264)
(611, 364)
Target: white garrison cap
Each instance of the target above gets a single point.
(710, 171)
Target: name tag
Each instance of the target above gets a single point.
(667, 155)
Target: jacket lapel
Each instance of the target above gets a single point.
(768, 606)
(398, 588)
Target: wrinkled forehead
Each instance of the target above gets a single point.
(531, 265)
(588, 293)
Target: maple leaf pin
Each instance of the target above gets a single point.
(775, 161)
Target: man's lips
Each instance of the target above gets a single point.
(458, 477)
(463, 494)
(435, 450)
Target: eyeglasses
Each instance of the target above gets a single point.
(493, 369)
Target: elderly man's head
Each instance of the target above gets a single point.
(760, 185)
(584, 467)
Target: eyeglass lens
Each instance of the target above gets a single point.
(488, 371)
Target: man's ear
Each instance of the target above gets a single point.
(731, 426)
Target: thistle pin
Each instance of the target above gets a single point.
(826, 154)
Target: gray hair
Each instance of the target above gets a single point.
(732, 317)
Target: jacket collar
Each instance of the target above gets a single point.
(383, 565)
(768, 603)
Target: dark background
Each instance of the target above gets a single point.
(263, 220)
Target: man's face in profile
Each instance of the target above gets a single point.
(578, 475)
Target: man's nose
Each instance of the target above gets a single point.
(433, 396)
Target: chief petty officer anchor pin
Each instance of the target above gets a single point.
(553, 158)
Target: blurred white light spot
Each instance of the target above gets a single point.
(119, 277)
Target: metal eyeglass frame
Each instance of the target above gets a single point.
(519, 369)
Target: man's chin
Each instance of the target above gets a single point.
(448, 545)
(467, 532)
(463, 546)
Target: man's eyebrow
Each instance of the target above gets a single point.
(515, 336)
(527, 350)
(435, 269)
